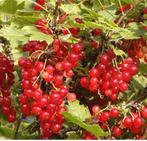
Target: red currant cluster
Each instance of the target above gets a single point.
(6, 81)
(133, 122)
(32, 46)
(136, 48)
(42, 25)
(34, 101)
(40, 3)
(110, 80)
(45, 105)
(68, 55)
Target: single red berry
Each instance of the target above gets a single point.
(71, 96)
(55, 128)
(36, 110)
(145, 10)
(44, 116)
(43, 102)
(127, 122)
(39, 66)
(84, 82)
(56, 44)
(94, 72)
(94, 44)
(114, 112)
(74, 31)
(50, 69)
(123, 86)
(104, 116)
(105, 59)
(144, 112)
(116, 131)
(145, 27)
(138, 122)
(126, 76)
(79, 20)
(135, 130)
(55, 98)
(133, 70)
(96, 32)
(11, 118)
(95, 109)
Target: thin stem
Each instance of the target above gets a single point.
(56, 14)
(135, 101)
(101, 4)
(131, 96)
(17, 128)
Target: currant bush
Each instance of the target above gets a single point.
(79, 69)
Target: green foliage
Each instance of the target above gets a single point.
(143, 67)
(119, 52)
(72, 136)
(17, 19)
(80, 111)
(10, 6)
(140, 81)
(34, 34)
(14, 35)
(94, 128)
(19, 36)
(6, 132)
(24, 17)
(71, 8)
(77, 114)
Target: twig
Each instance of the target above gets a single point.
(17, 128)
(135, 101)
(55, 14)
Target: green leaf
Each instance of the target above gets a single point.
(10, 6)
(143, 67)
(109, 13)
(79, 111)
(94, 129)
(6, 132)
(119, 52)
(72, 136)
(71, 8)
(92, 14)
(23, 17)
(19, 36)
(14, 35)
(36, 34)
(140, 81)
(135, 31)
